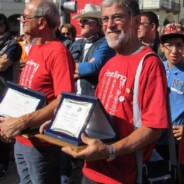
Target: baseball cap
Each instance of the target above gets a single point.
(171, 30)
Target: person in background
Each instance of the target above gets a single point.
(148, 30)
(115, 163)
(66, 41)
(49, 69)
(172, 44)
(69, 31)
(10, 53)
(91, 52)
(26, 45)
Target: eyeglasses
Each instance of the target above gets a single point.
(170, 47)
(66, 34)
(27, 17)
(86, 21)
(117, 18)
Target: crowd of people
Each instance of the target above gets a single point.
(49, 59)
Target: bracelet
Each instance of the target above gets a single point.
(112, 153)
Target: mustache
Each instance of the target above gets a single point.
(113, 31)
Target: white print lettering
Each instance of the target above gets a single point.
(112, 86)
(177, 86)
(28, 73)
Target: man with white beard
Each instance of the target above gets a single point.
(115, 163)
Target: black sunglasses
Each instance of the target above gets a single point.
(67, 33)
(87, 21)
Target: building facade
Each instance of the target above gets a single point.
(172, 10)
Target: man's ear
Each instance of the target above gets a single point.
(42, 22)
(153, 25)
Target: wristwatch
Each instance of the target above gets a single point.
(112, 153)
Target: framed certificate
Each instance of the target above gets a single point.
(18, 100)
(76, 114)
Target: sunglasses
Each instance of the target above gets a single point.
(86, 21)
(65, 34)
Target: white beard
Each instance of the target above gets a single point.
(117, 42)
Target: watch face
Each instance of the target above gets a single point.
(112, 153)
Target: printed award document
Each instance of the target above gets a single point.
(18, 100)
(71, 117)
(77, 114)
(15, 104)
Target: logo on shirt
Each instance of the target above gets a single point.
(177, 86)
(111, 89)
(28, 73)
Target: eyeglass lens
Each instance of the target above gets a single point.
(86, 21)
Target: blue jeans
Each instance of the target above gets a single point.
(37, 165)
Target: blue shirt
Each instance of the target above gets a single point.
(175, 81)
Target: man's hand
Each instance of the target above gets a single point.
(9, 128)
(95, 150)
(5, 62)
(177, 131)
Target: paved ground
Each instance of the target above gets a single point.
(11, 176)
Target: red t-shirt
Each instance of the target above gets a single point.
(115, 90)
(49, 69)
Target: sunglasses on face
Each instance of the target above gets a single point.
(87, 21)
(65, 34)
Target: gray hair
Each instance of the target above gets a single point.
(131, 5)
(50, 12)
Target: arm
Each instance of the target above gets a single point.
(100, 57)
(12, 54)
(62, 75)
(11, 57)
(97, 150)
(5, 62)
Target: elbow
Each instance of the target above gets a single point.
(157, 134)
